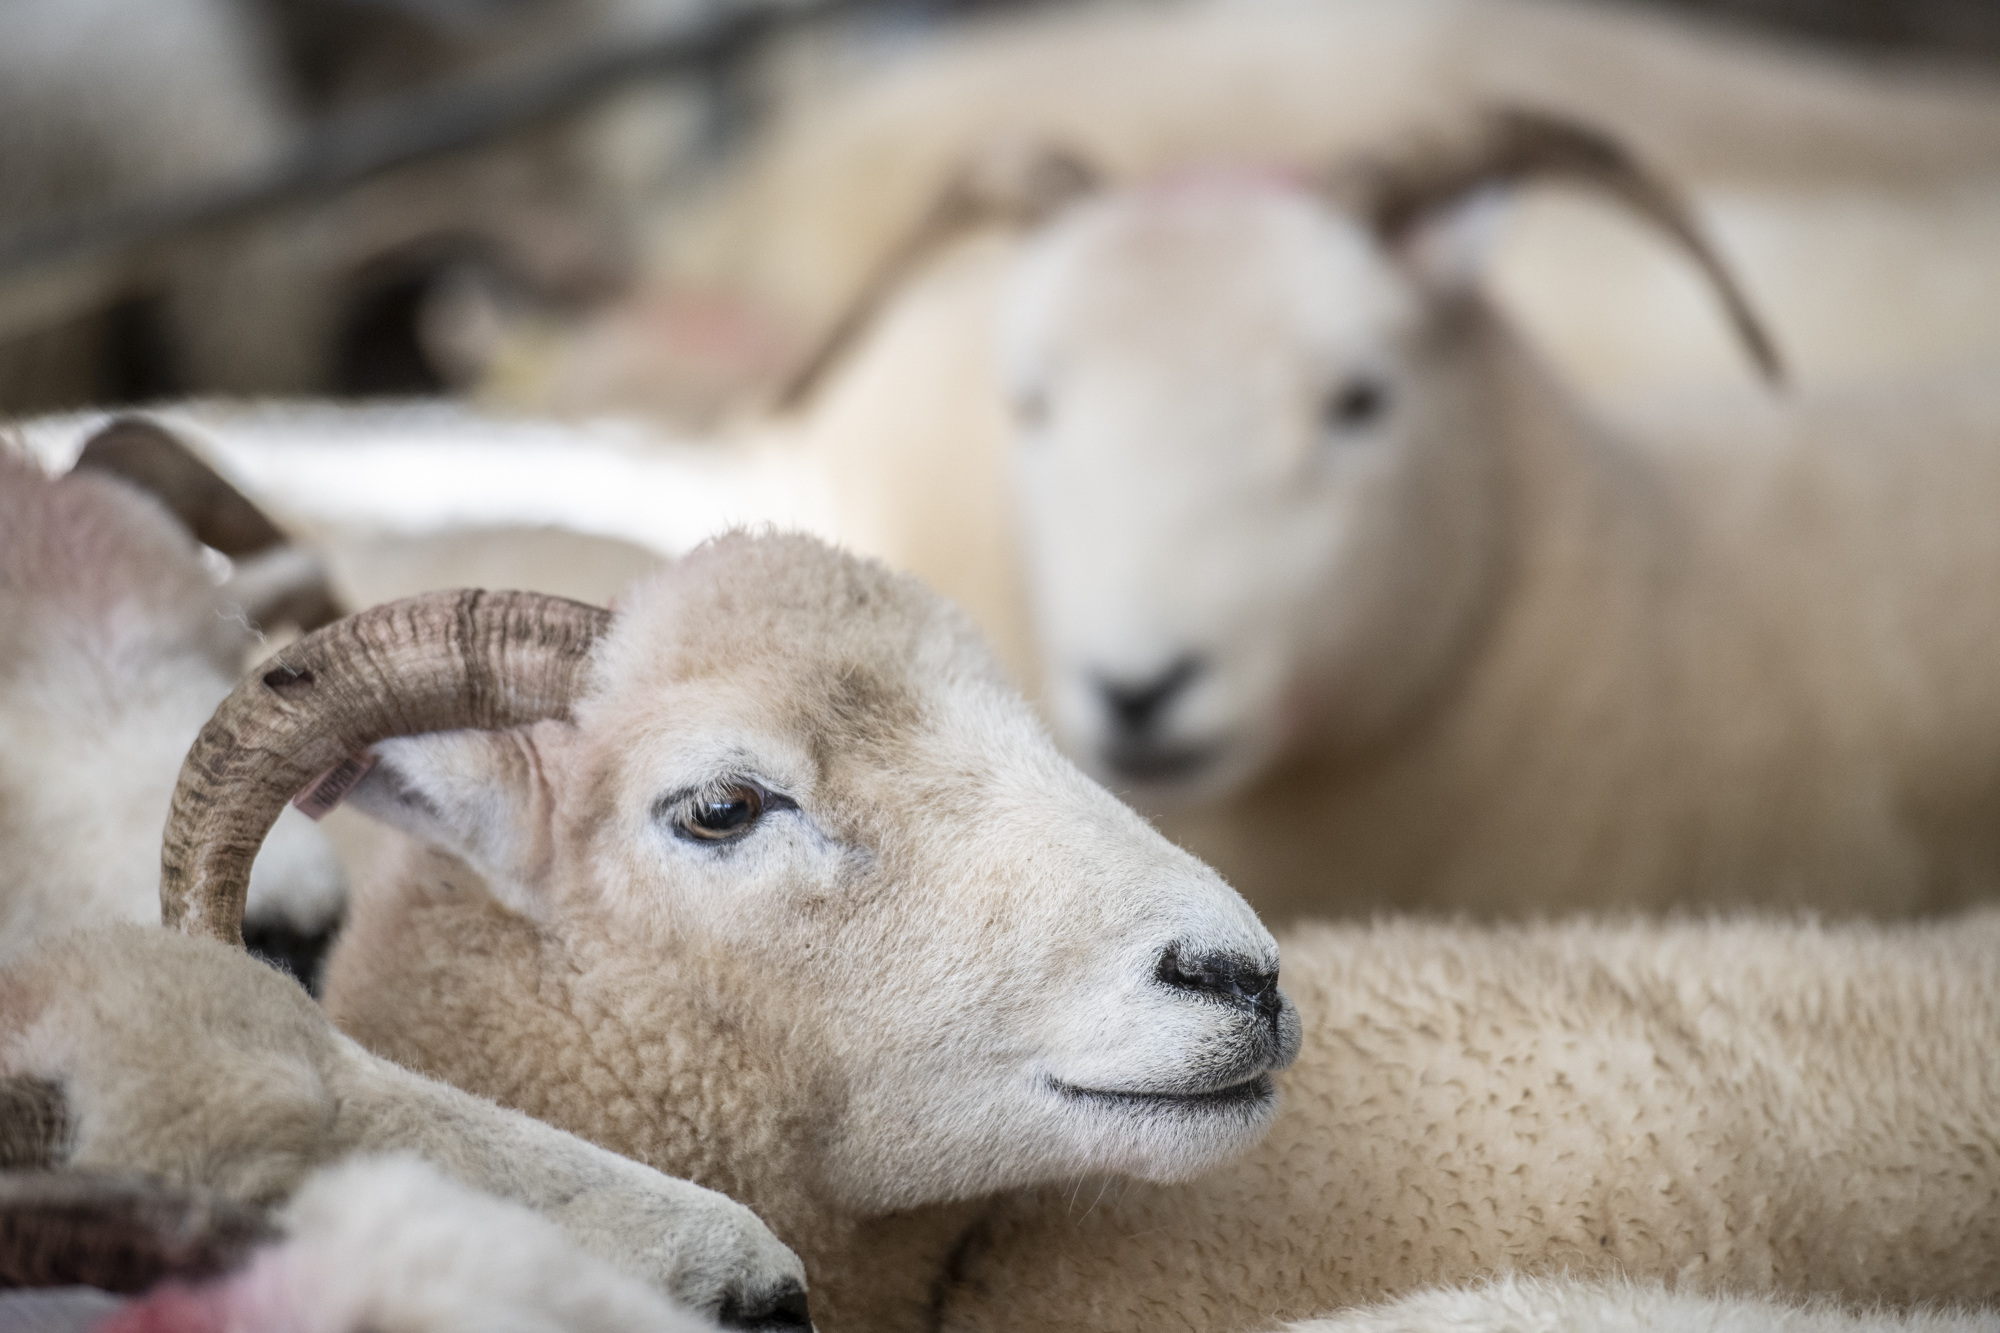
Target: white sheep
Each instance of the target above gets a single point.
(1528, 1305)
(381, 1243)
(769, 881)
(1326, 565)
(132, 1049)
(115, 645)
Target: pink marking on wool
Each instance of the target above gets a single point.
(172, 1307)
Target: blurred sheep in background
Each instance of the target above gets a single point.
(1376, 612)
(1860, 200)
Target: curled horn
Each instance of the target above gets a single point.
(1019, 186)
(149, 456)
(1396, 193)
(442, 661)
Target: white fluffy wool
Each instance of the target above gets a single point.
(1553, 1305)
(388, 1245)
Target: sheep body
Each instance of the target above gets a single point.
(1749, 667)
(189, 1062)
(1777, 1109)
(1783, 1110)
(115, 645)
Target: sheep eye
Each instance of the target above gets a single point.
(1358, 403)
(723, 813)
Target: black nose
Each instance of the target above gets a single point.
(778, 1309)
(1136, 706)
(1244, 982)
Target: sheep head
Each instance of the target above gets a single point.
(782, 791)
(1259, 447)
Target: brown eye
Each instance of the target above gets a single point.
(1357, 404)
(724, 813)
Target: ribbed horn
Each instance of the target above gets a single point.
(1020, 186)
(1396, 192)
(146, 454)
(443, 661)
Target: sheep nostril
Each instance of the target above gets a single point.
(1244, 982)
(1137, 707)
(780, 1309)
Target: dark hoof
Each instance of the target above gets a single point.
(295, 953)
(780, 1309)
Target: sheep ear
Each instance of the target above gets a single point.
(481, 796)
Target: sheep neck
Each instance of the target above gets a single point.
(631, 1038)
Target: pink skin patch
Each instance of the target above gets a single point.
(172, 1308)
(330, 788)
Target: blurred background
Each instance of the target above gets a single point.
(569, 249)
(509, 293)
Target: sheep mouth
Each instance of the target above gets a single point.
(1251, 1094)
(1143, 762)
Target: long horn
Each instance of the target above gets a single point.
(443, 661)
(1020, 186)
(148, 455)
(1395, 193)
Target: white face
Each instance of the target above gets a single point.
(1220, 460)
(1012, 978)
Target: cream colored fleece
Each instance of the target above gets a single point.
(1767, 1108)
